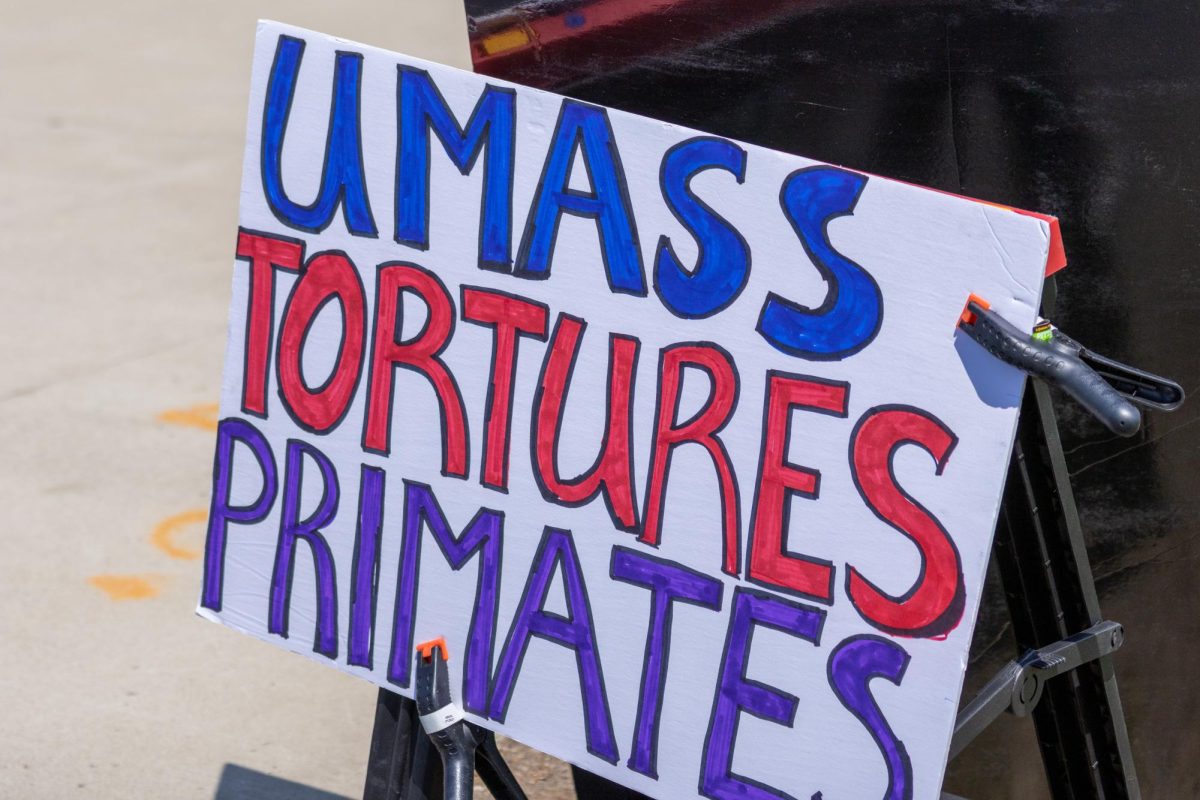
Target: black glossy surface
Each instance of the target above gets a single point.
(1089, 111)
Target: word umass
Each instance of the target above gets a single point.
(846, 323)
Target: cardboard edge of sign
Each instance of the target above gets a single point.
(1056, 254)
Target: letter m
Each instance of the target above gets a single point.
(483, 534)
(422, 109)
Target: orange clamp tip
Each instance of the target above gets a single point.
(968, 316)
(426, 648)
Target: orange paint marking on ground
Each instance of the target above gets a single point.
(128, 587)
(165, 532)
(203, 416)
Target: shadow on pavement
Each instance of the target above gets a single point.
(240, 783)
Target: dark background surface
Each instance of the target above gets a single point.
(1087, 111)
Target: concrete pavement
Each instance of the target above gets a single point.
(120, 141)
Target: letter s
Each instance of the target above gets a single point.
(723, 263)
(852, 312)
(852, 666)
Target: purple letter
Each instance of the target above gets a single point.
(484, 533)
(667, 582)
(364, 573)
(735, 692)
(574, 631)
(292, 529)
(852, 665)
(220, 514)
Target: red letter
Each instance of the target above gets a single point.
(263, 252)
(613, 468)
(509, 317)
(934, 605)
(702, 429)
(326, 276)
(778, 479)
(419, 354)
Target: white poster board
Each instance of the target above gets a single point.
(671, 437)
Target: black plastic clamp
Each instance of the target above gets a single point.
(456, 740)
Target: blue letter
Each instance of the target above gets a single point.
(667, 582)
(724, 261)
(221, 513)
(736, 692)
(853, 309)
(291, 530)
(364, 572)
(483, 535)
(586, 128)
(342, 173)
(575, 631)
(422, 108)
(852, 665)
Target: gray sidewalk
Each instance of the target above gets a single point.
(122, 131)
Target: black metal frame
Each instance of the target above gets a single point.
(1048, 585)
(402, 762)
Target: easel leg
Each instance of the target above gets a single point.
(1051, 594)
(402, 764)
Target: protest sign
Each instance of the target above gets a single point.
(671, 437)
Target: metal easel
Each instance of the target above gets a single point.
(1064, 677)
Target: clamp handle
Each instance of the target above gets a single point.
(1109, 394)
(458, 741)
(1141, 387)
(443, 721)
